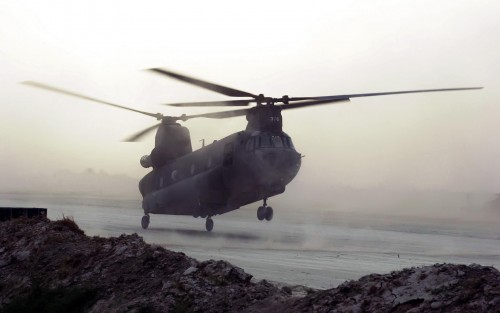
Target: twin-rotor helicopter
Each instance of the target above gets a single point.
(242, 168)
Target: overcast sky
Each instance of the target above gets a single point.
(446, 141)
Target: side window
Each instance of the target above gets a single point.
(289, 143)
(250, 144)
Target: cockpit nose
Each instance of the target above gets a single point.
(279, 159)
(271, 156)
(277, 162)
(277, 166)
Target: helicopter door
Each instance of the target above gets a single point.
(228, 155)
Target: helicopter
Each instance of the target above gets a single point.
(248, 166)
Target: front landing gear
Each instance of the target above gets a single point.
(209, 224)
(265, 212)
(145, 221)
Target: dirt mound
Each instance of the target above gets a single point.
(439, 288)
(121, 274)
(54, 267)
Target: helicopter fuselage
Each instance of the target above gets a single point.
(239, 169)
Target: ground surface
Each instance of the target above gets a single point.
(312, 248)
(54, 267)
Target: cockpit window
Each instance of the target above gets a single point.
(264, 141)
(277, 142)
(267, 141)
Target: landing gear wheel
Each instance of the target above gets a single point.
(269, 213)
(261, 213)
(145, 221)
(209, 224)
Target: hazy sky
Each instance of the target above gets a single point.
(446, 141)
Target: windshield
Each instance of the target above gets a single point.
(265, 140)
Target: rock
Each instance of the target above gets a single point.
(436, 305)
(120, 250)
(190, 270)
(22, 255)
(466, 288)
(287, 290)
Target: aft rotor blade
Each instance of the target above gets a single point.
(204, 84)
(390, 93)
(77, 95)
(141, 134)
(241, 103)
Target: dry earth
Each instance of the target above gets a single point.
(52, 266)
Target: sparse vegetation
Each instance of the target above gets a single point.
(67, 222)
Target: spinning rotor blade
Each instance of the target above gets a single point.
(222, 114)
(311, 103)
(320, 101)
(204, 84)
(236, 103)
(77, 95)
(142, 133)
(234, 113)
(218, 115)
(286, 100)
(341, 97)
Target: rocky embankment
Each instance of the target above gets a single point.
(50, 266)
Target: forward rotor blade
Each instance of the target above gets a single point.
(234, 113)
(234, 102)
(142, 133)
(311, 103)
(389, 93)
(222, 114)
(293, 99)
(204, 84)
(241, 103)
(77, 95)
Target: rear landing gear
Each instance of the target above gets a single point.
(209, 224)
(265, 212)
(145, 221)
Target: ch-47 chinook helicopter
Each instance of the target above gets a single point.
(245, 167)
